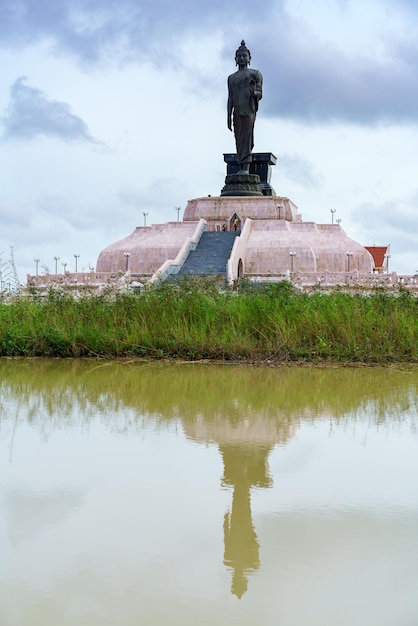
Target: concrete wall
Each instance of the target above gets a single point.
(149, 247)
(238, 253)
(316, 247)
(219, 210)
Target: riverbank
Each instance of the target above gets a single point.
(197, 320)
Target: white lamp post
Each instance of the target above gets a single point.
(349, 255)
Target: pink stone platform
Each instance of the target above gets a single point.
(273, 241)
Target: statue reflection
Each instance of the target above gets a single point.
(244, 443)
(244, 467)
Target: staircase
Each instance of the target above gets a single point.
(210, 256)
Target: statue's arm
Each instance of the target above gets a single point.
(229, 107)
(258, 91)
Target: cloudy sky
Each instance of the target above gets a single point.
(109, 110)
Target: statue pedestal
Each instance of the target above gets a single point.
(242, 185)
(260, 165)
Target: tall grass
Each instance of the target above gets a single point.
(197, 320)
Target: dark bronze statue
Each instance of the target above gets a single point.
(245, 90)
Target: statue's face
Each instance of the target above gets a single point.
(242, 58)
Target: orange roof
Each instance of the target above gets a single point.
(378, 254)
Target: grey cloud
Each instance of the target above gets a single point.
(138, 201)
(317, 82)
(64, 211)
(393, 222)
(32, 225)
(89, 28)
(26, 21)
(306, 78)
(31, 114)
(409, 5)
(13, 214)
(299, 170)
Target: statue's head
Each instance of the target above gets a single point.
(241, 51)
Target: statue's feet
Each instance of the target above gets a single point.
(243, 172)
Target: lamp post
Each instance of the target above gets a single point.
(338, 220)
(349, 255)
(56, 258)
(332, 215)
(292, 256)
(387, 257)
(145, 218)
(76, 256)
(36, 261)
(64, 265)
(127, 255)
(178, 209)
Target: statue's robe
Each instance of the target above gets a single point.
(245, 89)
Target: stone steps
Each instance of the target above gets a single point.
(210, 256)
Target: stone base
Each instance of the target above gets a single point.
(261, 164)
(242, 185)
(220, 210)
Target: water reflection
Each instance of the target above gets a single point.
(199, 394)
(244, 468)
(245, 412)
(244, 444)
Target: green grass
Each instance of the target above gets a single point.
(197, 320)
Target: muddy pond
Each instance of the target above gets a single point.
(189, 494)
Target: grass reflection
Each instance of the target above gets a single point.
(188, 391)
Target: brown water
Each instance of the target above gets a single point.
(154, 494)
